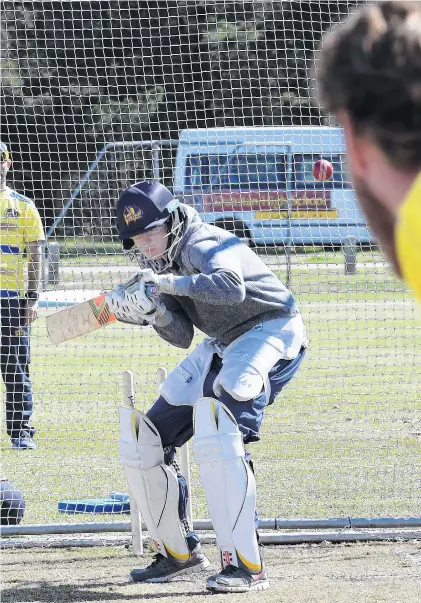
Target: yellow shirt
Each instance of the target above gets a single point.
(20, 224)
(408, 237)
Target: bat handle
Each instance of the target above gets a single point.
(128, 387)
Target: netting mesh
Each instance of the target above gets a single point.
(343, 438)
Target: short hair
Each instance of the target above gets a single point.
(369, 66)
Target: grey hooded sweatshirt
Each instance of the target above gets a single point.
(226, 288)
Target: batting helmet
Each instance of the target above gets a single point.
(145, 205)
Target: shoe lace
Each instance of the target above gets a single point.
(238, 572)
(158, 559)
(229, 570)
(162, 562)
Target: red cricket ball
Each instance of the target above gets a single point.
(322, 170)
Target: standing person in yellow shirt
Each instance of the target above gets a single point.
(20, 229)
(369, 77)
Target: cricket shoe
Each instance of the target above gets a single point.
(163, 568)
(234, 579)
(23, 443)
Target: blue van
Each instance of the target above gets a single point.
(258, 183)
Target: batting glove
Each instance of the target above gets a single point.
(120, 307)
(137, 307)
(141, 296)
(144, 298)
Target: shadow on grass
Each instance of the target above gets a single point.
(64, 593)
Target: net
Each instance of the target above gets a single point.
(213, 99)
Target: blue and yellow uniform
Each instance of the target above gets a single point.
(20, 224)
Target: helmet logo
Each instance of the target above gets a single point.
(132, 214)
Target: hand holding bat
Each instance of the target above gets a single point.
(95, 313)
(136, 302)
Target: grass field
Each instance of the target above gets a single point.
(358, 573)
(343, 439)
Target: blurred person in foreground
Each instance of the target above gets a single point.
(368, 74)
(20, 228)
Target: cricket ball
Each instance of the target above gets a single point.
(322, 170)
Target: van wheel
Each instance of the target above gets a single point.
(238, 228)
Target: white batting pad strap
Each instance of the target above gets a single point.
(152, 483)
(228, 483)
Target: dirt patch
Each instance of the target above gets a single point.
(363, 573)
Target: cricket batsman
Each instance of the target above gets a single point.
(195, 274)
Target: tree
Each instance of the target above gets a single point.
(77, 75)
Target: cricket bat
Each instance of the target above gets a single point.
(80, 319)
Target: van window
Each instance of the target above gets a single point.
(258, 171)
(201, 169)
(253, 171)
(245, 171)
